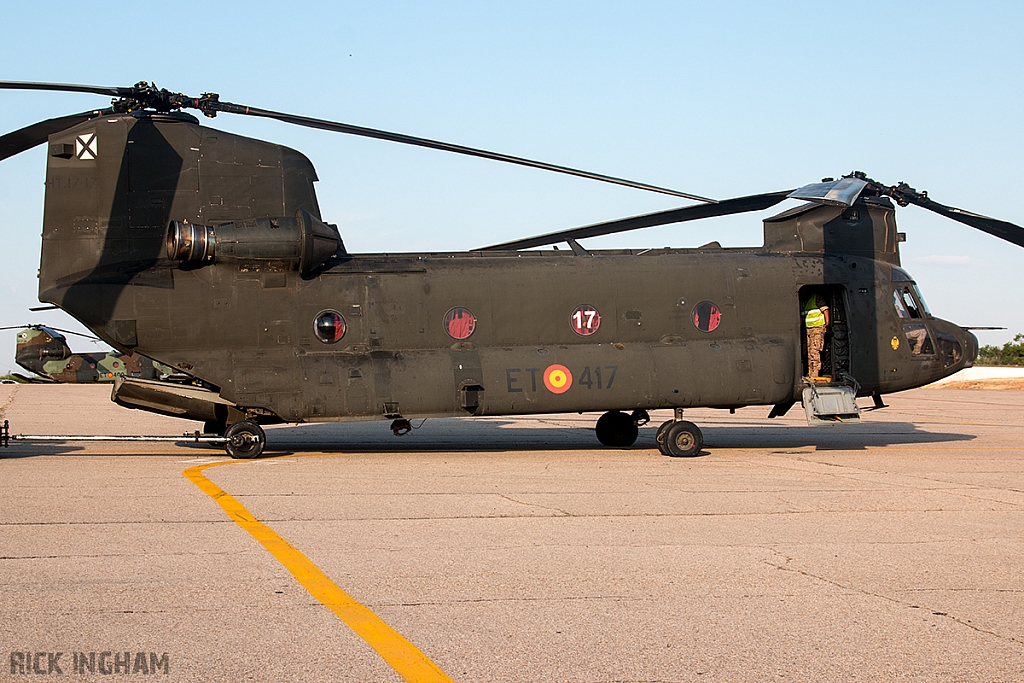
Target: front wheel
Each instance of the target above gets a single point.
(245, 440)
(682, 440)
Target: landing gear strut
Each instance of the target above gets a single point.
(245, 440)
(678, 438)
(618, 430)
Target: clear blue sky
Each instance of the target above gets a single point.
(719, 99)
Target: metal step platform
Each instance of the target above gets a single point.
(830, 404)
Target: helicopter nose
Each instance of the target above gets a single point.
(971, 345)
(958, 347)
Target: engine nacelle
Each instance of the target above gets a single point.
(302, 243)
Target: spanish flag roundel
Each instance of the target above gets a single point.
(557, 379)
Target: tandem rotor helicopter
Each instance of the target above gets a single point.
(206, 252)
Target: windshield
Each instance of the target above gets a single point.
(920, 298)
(905, 303)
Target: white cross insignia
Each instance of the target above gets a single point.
(85, 146)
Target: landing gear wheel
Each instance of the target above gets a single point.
(659, 438)
(245, 440)
(682, 439)
(616, 429)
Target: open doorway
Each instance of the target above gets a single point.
(826, 332)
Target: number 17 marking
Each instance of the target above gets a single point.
(585, 320)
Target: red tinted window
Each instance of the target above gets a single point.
(459, 323)
(706, 316)
(329, 327)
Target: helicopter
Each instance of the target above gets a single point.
(44, 351)
(207, 252)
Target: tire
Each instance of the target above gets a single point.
(683, 440)
(245, 440)
(615, 429)
(659, 438)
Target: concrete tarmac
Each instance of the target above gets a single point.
(522, 550)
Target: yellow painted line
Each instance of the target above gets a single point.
(401, 655)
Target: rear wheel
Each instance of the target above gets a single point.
(616, 429)
(682, 440)
(245, 440)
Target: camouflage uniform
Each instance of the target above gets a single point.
(815, 317)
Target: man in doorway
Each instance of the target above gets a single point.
(816, 320)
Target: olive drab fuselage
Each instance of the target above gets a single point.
(293, 336)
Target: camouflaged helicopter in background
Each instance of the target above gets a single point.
(44, 351)
(206, 251)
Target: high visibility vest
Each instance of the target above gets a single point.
(813, 316)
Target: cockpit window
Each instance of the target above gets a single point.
(919, 339)
(897, 301)
(949, 348)
(909, 302)
(920, 298)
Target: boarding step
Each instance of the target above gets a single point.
(830, 404)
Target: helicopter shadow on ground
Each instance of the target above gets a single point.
(495, 435)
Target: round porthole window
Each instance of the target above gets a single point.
(459, 323)
(329, 326)
(706, 316)
(585, 320)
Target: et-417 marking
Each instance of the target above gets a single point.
(557, 379)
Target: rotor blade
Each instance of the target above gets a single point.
(77, 334)
(687, 213)
(217, 105)
(993, 226)
(36, 134)
(145, 95)
(47, 327)
(66, 87)
(34, 380)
